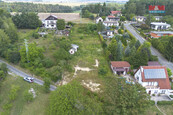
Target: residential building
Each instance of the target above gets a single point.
(116, 13)
(158, 18)
(140, 18)
(110, 23)
(99, 19)
(120, 67)
(154, 78)
(159, 26)
(50, 22)
(158, 34)
(112, 18)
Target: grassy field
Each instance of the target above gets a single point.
(19, 105)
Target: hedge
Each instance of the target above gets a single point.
(152, 102)
(165, 102)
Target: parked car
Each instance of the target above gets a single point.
(29, 79)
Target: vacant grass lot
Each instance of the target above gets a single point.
(19, 105)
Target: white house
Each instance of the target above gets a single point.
(110, 23)
(140, 18)
(50, 22)
(112, 18)
(159, 26)
(120, 67)
(158, 18)
(154, 78)
(99, 19)
(110, 33)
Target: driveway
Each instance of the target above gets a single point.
(162, 97)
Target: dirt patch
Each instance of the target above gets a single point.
(97, 63)
(33, 92)
(94, 87)
(77, 68)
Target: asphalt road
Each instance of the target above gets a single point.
(22, 74)
(161, 59)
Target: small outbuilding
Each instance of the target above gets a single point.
(120, 67)
(73, 49)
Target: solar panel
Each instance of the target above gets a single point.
(154, 74)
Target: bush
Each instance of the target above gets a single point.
(81, 37)
(165, 102)
(159, 94)
(28, 96)
(171, 96)
(152, 102)
(35, 35)
(7, 106)
(48, 63)
(153, 94)
(102, 71)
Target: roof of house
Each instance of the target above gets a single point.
(120, 64)
(51, 17)
(115, 12)
(74, 46)
(140, 17)
(153, 63)
(160, 24)
(98, 18)
(158, 16)
(155, 74)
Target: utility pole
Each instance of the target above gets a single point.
(26, 46)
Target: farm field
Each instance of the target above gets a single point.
(73, 17)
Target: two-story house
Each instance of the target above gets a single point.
(159, 26)
(154, 78)
(50, 22)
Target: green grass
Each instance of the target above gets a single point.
(167, 109)
(19, 105)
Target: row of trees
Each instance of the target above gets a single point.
(30, 7)
(74, 99)
(140, 7)
(164, 45)
(27, 20)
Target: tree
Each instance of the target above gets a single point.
(169, 50)
(169, 72)
(124, 98)
(28, 96)
(127, 51)
(60, 24)
(4, 43)
(100, 27)
(4, 69)
(46, 84)
(34, 53)
(120, 51)
(137, 44)
(70, 99)
(14, 56)
(27, 20)
(13, 92)
(122, 18)
(113, 49)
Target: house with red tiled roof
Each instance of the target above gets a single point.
(117, 13)
(120, 67)
(154, 78)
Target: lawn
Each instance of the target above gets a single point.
(19, 105)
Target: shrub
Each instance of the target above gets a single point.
(152, 102)
(171, 96)
(102, 71)
(35, 35)
(165, 102)
(48, 63)
(28, 96)
(159, 94)
(81, 37)
(153, 94)
(7, 106)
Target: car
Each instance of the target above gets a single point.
(29, 79)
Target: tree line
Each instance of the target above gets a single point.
(30, 7)
(141, 7)
(165, 46)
